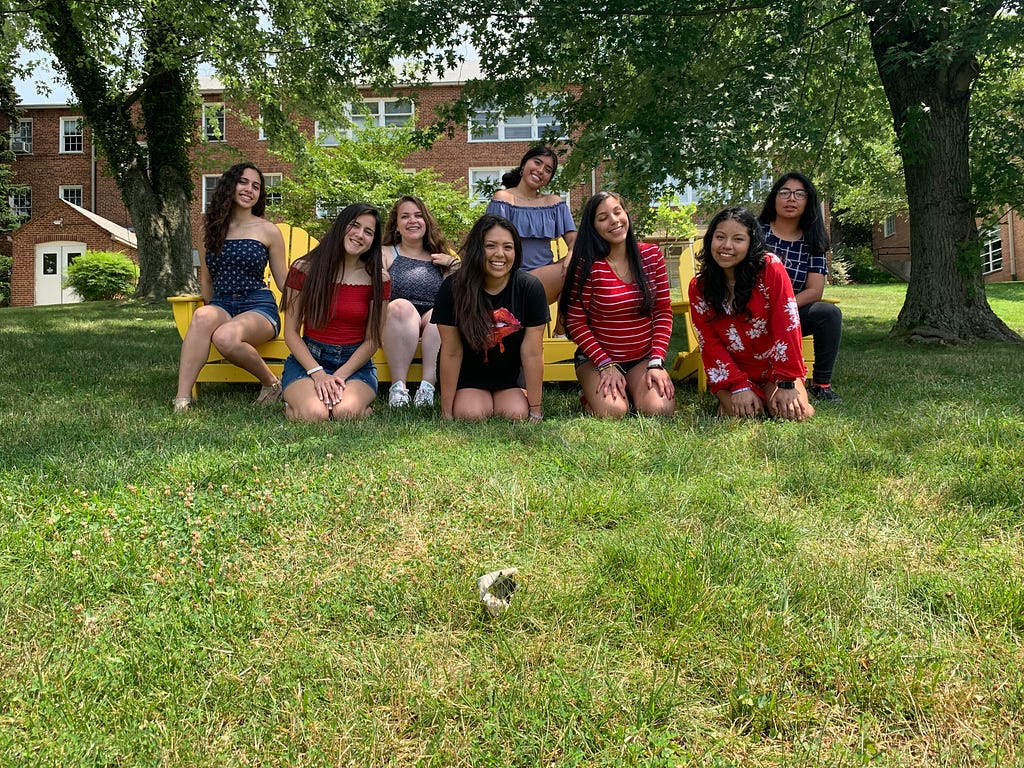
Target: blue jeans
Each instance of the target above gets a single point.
(331, 357)
(261, 301)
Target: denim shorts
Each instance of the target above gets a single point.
(331, 357)
(261, 301)
(580, 358)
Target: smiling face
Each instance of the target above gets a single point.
(247, 188)
(359, 235)
(537, 172)
(410, 222)
(611, 222)
(499, 255)
(729, 245)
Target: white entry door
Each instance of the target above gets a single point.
(52, 261)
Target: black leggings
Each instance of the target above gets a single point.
(824, 322)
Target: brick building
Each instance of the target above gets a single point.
(57, 160)
(1001, 254)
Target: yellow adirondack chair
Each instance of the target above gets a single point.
(558, 353)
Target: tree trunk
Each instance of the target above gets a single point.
(164, 234)
(154, 181)
(929, 94)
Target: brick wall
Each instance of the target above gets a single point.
(43, 228)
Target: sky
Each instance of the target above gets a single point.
(27, 88)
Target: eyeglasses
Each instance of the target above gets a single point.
(797, 194)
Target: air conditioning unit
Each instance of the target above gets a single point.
(21, 146)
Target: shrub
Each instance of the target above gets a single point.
(102, 275)
(859, 263)
(5, 280)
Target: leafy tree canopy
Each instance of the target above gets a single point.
(369, 168)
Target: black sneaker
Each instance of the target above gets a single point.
(824, 394)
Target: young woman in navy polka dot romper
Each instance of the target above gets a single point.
(240, 310)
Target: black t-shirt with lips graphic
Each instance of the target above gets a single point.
(521, 304)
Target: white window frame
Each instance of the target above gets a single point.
(510, 123)
(66, 135)
(24, 208)
(210, 131)
(486, 172)
(324, 137)
(889, 225)
(378, 117)
(63, 189)
(209, 184)
(21, 144)
(991, 251)
(273, 181)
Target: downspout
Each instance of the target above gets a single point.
(92, 174)
(1013, 246)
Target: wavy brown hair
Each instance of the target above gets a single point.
(321, 266)
(433, 239)
(222, 204)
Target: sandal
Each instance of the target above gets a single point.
(269, 394)
(182, 404)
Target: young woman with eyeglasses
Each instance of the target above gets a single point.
(794, 230)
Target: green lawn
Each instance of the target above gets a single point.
(226, 588)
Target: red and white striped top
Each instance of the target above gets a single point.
(605, 320)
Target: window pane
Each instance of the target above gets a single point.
(72, 195)
(273, 187)
(518, 132)
(209, 184)
(71, 135)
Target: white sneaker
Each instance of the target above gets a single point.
(424, 395)
(398, 395)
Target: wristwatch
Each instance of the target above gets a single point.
(786, 384)
(655, 364)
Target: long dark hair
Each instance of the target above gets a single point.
(433, 239)
(590, 246)
(513, 177)
(711, 277)
(472, 312)
(222, 202)
(811, 223)
(321, 267)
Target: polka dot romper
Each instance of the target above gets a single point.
(239, 267)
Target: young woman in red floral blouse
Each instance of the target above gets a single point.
(747, 322)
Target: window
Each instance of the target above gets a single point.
(213, 122)
(369, 113)
(21, 137)
(991, 251)
(889, 225)
(21, 202)
(72, 194)
(325, 211)
(485, 125)
(483, 182)
(324, 137)
(272, 184)
(209, 184)
(72, 137)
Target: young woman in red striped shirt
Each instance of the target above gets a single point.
(616, 307)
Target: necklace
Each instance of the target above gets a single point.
(622, 271)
